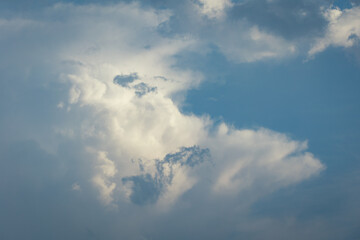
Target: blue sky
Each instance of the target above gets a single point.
(199, 119)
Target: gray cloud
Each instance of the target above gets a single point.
(147, 189)
(142, 88)
(292, 20)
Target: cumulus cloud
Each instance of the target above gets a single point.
(124, 83)
(130, 114)
(116, 78)
(343, 29)
(260, 158)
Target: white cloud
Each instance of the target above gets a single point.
(122, 123)
(343, 29)
(250, 44)
(261, 159)
(214, 8)
(104, 172)
(130, 127)
(237, 38)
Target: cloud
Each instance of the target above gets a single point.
(119, 134)
(213, 8)
(251, 31)
(342, 31)
(291, 20)
(261, 30)
(127, 111)
(130, 126)
(146, 188)
(250, 44)
(261, 158)
(105, 170)
(216, 23)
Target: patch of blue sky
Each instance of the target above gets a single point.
(316, 100)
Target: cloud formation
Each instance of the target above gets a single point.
(343, 29)
(110, 78)
(214, 9)
(124, 86)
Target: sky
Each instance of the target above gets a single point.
(193, 119)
